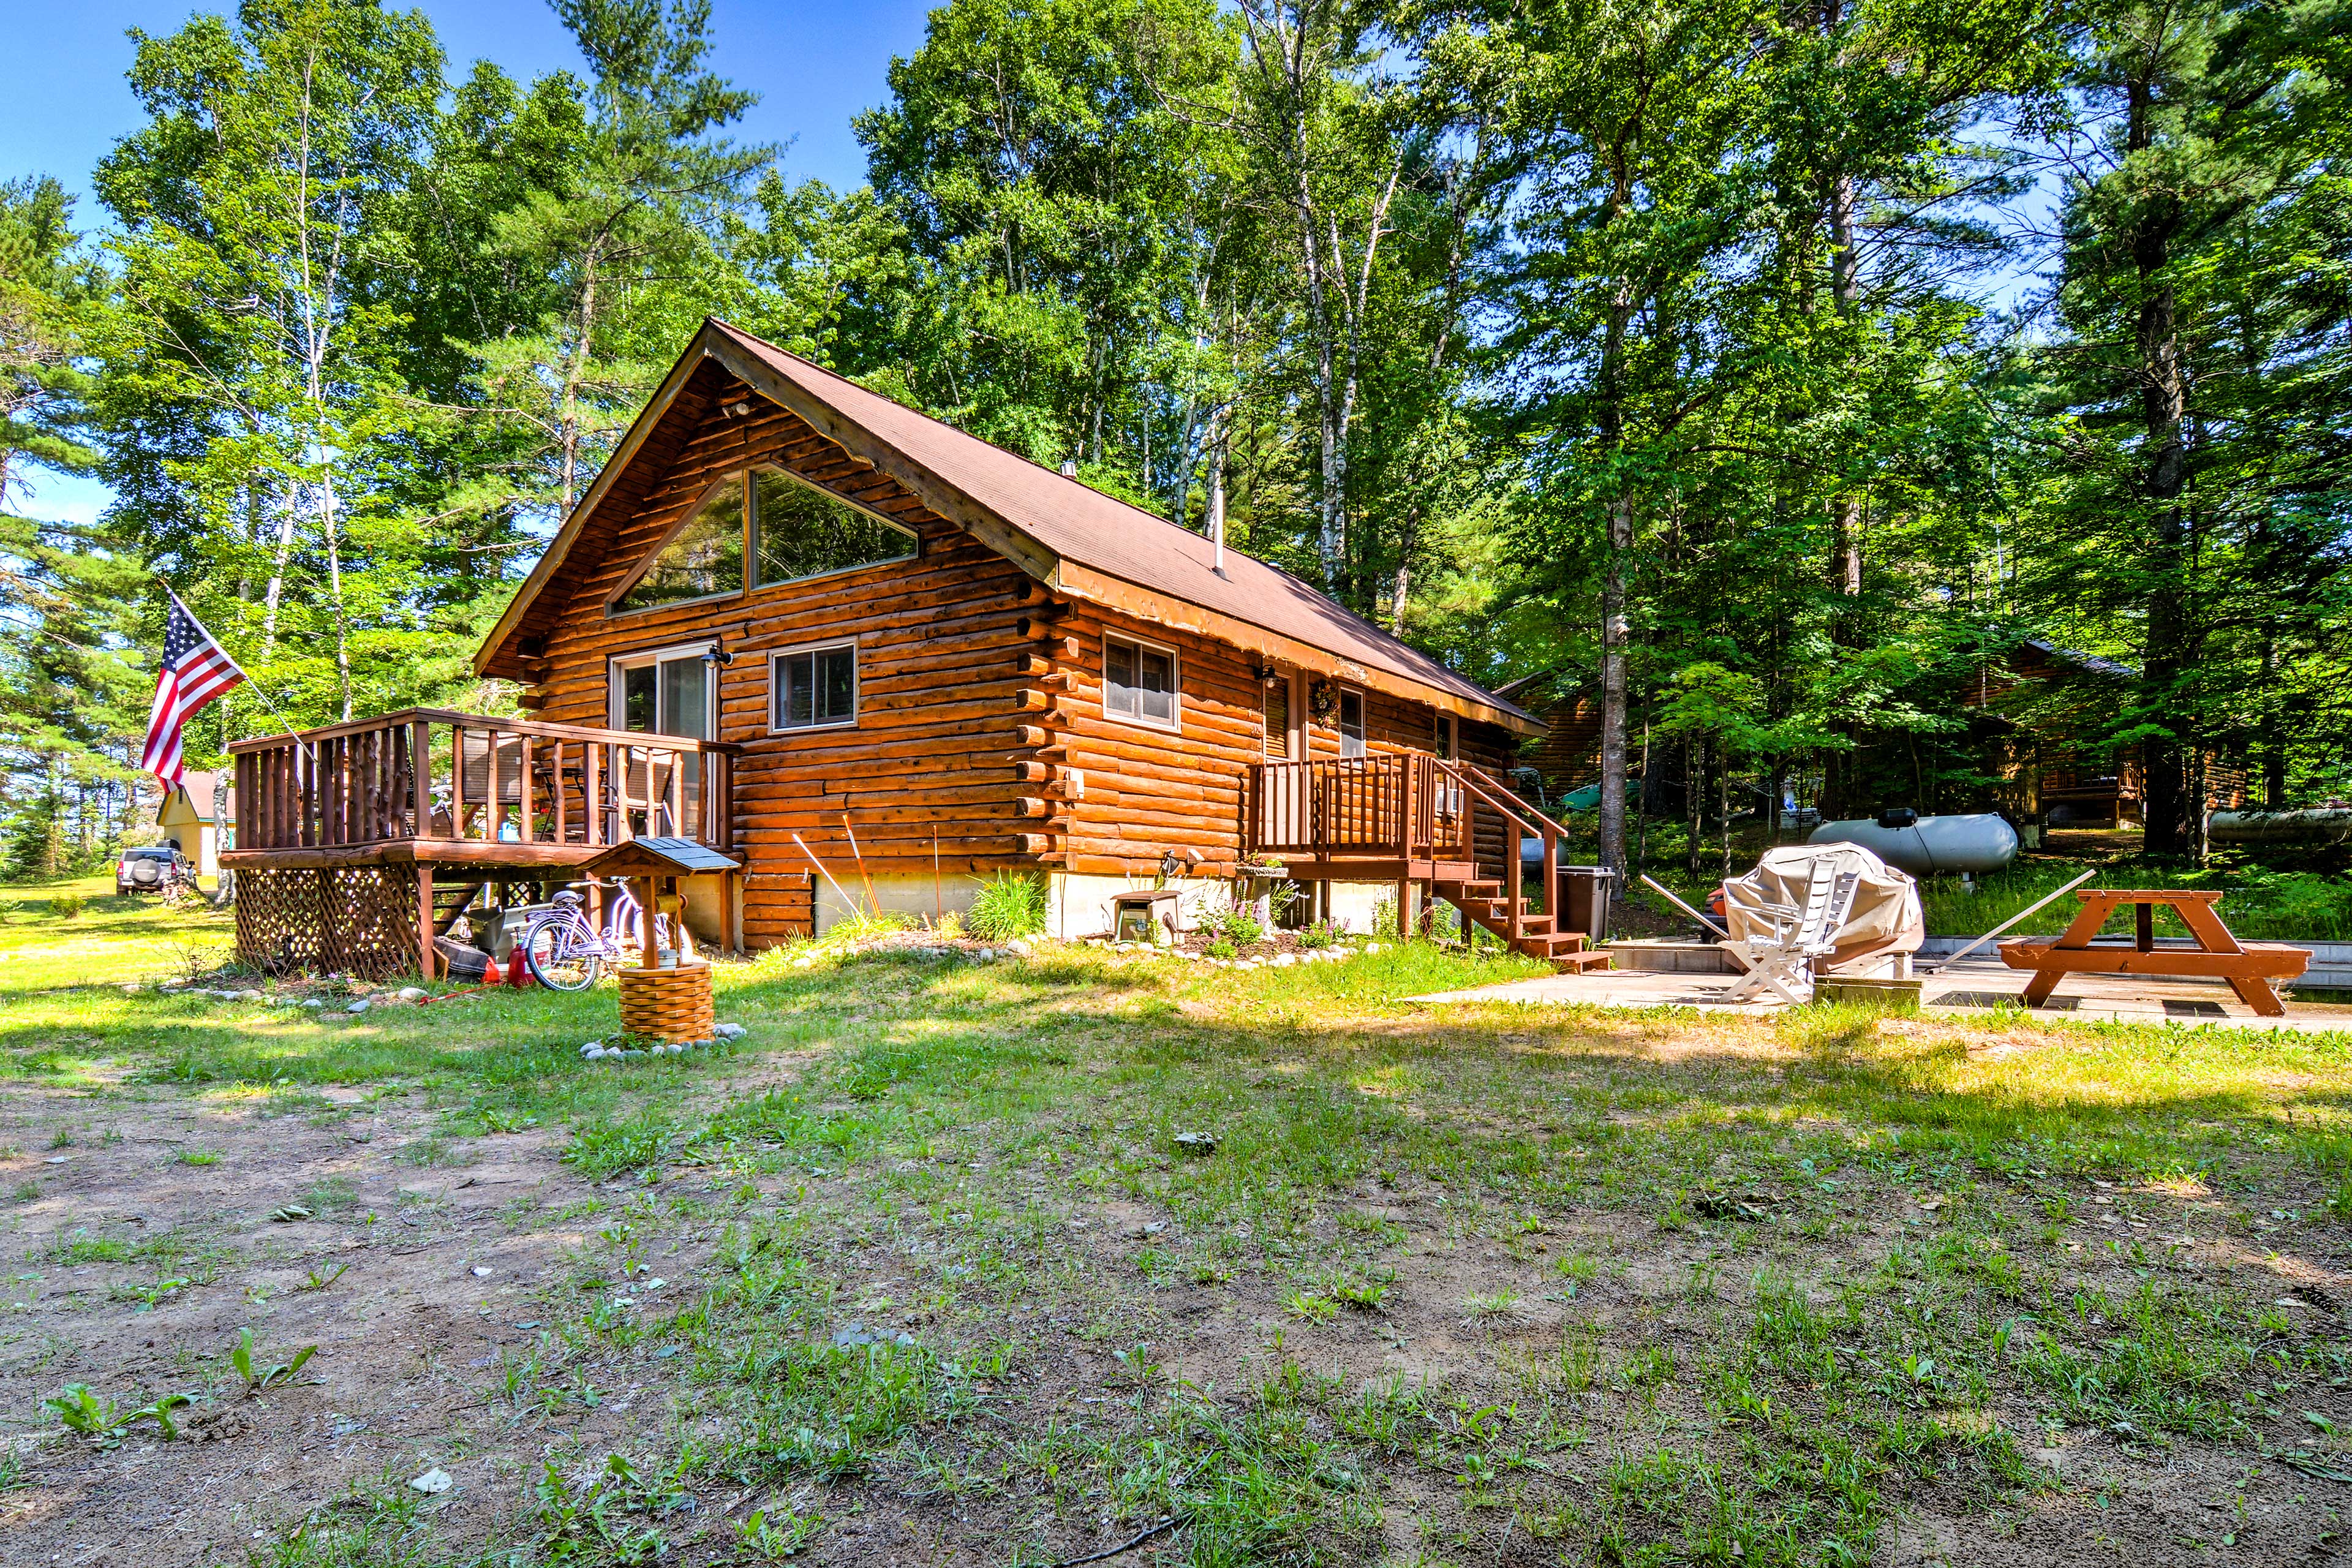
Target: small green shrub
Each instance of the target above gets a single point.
(1006, 907)
(1220, 948)
(1237, 926)
(66, 906)
(1317, 936)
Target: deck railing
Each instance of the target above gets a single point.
(1409, 805)
(429, 773)
(1402, 804)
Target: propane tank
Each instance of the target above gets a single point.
(1927, 846)
(2316, 825)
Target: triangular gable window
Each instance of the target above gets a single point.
(804, 532)
(702, 560)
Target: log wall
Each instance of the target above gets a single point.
(935, 745)
(980, 696)
(1143, 790)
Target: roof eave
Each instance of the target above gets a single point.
(492, 657)
(1185, 614)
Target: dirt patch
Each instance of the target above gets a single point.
(407, 1279)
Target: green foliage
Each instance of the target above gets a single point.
(1008, 905)
(260, 1377)
(1235, 926)
(632, 1147)
(105, 1423)
(83, 1412)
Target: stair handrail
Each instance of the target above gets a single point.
(1508, 806)
(1501, 800)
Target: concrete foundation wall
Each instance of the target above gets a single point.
(898, 895)
(1078, 905)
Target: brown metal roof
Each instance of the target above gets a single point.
(1078, 522)
(1054, 525)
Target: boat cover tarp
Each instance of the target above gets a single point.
(1886, 916)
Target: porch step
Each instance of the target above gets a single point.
(1551, 944)
(1484, 904)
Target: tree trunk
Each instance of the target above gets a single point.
(1212, 511)
(1694, 804)
(2164, 404)
(1614, 629)
(573, 373)
(1846, 512)
(224, 880)
(279, 557)
(53, 831)
(1613, 640)
(1723, 806)
(330, 527)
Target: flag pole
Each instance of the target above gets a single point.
(254, 685)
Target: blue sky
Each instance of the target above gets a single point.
(814, 66)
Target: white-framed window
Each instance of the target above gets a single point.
(701, 558)
(1351, 723)
(812, 688)
(1139, 682)
(800, 529)
(663, 691)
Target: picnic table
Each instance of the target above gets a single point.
(2250, 967)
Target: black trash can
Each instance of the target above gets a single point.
(1584, 901)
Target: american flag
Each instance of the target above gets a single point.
(194, 671)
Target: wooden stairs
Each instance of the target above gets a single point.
(1485, 903)
(451, 899)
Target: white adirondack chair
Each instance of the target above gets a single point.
(1782, 961)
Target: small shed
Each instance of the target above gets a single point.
(187, 822)
(673, 862)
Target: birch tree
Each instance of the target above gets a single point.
(255, 233)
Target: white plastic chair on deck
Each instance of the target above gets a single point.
(1782, 961)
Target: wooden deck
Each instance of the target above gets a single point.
(357, 843)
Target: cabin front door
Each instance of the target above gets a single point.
(667, 692)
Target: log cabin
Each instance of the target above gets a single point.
(877, 661)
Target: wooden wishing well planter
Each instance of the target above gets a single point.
(663, 1001)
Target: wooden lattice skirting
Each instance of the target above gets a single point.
(351, 919)
(666, 1003)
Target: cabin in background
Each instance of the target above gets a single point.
(873, 660)
(184, 819)
(2028, 712)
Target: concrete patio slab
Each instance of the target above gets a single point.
(1971, 987)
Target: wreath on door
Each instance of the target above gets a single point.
(1323, 700)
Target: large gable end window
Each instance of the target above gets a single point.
(800, 530)
(812, 688)
(701, 559)
(1138, 682)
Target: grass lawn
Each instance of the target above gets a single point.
(113, 938)
(1017, 1262)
